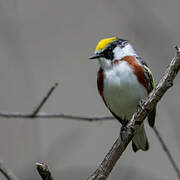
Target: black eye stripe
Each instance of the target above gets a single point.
(108, 52)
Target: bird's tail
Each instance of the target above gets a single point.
(140, 140)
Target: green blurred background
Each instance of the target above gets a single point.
(48, 41)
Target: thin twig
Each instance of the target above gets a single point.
(85, 118)
(91, 119)
(113, 155)
(7, 172)
(52, 115)
(44, 171)
(66, 116)
(35, 112)
(119, 146)
(167, 151)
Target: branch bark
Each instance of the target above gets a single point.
(7, 172)
(44, 171)
(119, 146)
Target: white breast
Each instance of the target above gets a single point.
(122, 90)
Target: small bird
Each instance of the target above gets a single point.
(123, 80)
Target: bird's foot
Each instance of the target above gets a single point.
(141, 103)
(123, 131)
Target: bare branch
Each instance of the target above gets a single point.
(85, 118)
(35, 112)
(154, 97)
(7, 172)
(52, 115)
(119, 146)
(44, 171)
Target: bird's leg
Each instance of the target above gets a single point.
(141, 103)
(123, 129)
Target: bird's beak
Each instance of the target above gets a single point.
(94, 56)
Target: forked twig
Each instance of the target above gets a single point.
(35, 112)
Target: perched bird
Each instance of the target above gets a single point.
(123, 80)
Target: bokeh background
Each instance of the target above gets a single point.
(48, 41)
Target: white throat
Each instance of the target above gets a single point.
(119, 53)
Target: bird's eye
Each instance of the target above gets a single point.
(109, 49)
(108, 53)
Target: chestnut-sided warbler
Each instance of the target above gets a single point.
(123, 80)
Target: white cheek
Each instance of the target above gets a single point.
(104, 63)
(126, 51)
(118, 53)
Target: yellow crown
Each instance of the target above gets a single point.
(104, 42)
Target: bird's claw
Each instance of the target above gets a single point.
(122, 132)
(141, 103)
